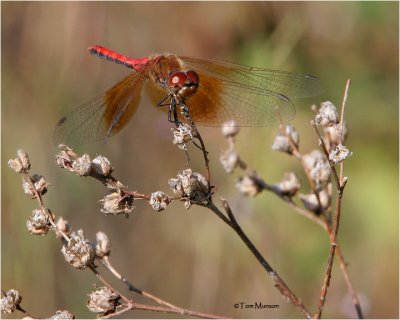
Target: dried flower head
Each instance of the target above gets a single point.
(317, 167)
(190, 184)
(102, 166)
(159, 200)
(230, 129)
(82, 166)
(62, 314)
(39, 222)
(10, 301)
(62, 226)
(335, 135)
(289, 185)
(116, 203)
(286, 139)
(103, 300)
(69, 151)
(78, 252)
(327, 114)
(182, 134)
(248, 186)
(339, 154)
(63, 160)
(102, 244)
(310, 201)
(39, 184)
(21, 163)
(229, 160)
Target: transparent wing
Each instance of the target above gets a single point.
(292, 85)
(102, 117)
(216, 103)
(250, 96)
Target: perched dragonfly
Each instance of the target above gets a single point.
(214, 92)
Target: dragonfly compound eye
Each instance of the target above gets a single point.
(177, 80)
(192, 78)
(191, 85)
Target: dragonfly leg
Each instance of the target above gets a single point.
(172, 111)
(162, 104)
(200, 147)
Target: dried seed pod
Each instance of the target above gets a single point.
(102, 244)
(103, 300)
(117, 202)
(102, 166)
(10, 301)
(248, 186)
(327, 114)
(78, 252)
(159, 200)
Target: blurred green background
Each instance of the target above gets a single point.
(191, 258)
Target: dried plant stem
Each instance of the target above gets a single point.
(326, 226)
(105, 282)
(26, 313)
(326, 152)
(138, 306)
(346, 92)
(39, 199)
(279, 283)
(107, 264)
(343, 268)
(345, 96)
(130, 305)
(319, 219)
(324, 223)
(349, 284)
(331, 256)
(340, 185)
(205, 156)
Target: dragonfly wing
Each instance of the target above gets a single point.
(292, 85)
(217, 102)
(102, 117)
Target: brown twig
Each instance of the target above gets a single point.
(170, 308)
(319, 219)
(184, 312)
(107, 264)
(279, 283)
(39, 199)
(136, 306)
(340, 185)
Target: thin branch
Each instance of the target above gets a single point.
(346, 91)
(107, 264)
(169, 309)
(137, 306)
(353, 293)
(319, 219)
(326, 152)
(38, 197)
(340, 185)
(279, 283)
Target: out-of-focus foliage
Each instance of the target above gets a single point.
(190, 258)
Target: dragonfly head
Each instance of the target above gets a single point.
(184, 83)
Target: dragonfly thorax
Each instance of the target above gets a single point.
(162, 67)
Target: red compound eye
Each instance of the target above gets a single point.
(192, 77)
(177, 79)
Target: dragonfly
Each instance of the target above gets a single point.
(212, 93)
